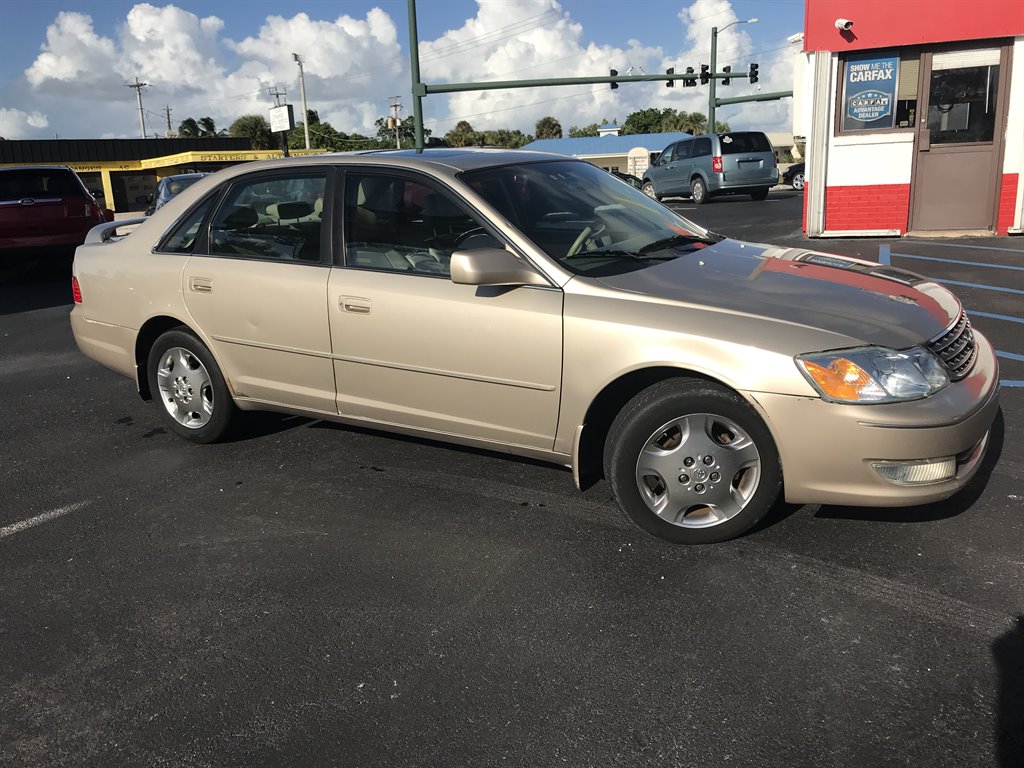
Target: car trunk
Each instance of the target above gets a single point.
(747, 157)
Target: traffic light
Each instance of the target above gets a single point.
(705, 74)
(726, 80)
(670, 71)
(752, 74)
(614, 73)
(690, 81)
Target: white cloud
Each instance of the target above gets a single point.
(353, 65)
(73, 52)
(15, 124)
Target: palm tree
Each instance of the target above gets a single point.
(188, 129)
(252, 127)
(548, 128)
(207, 128)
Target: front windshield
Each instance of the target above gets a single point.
(584, 218)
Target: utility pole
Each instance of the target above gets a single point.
(302, 89)
(138, 92)
(167, 109)
(396, 105)
(273, 91)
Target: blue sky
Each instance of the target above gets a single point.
(62, 59)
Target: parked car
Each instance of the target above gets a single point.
(167, 189)
(534, 305)
(701, 167)
(794, 176)
(45, 210)
(629, 178)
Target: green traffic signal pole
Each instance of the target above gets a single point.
(420, 89)
(414, 66)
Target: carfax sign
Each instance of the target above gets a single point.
(870, 92)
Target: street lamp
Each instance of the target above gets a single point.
(302, 89)
(714, 65)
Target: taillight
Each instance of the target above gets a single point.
(716, 164)
(76, 290)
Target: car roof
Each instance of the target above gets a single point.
(445, 160)
(36, 168)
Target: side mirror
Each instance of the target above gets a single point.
(492, 266)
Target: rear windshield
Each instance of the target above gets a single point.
(734, 143)
(50, 182)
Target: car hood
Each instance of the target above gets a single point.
(872, 303)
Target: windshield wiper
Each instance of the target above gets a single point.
(670, 242)
(635, 255)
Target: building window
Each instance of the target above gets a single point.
(962, 96)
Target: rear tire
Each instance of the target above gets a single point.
(691, 462)
(698, 191)
(760, 194)
(185, 379)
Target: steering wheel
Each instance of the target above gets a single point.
(460, 239)
(588, 233)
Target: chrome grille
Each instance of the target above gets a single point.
(956, 348)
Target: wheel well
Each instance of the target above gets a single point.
(150, 331)
(606, 406)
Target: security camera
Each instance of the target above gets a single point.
(844, 24)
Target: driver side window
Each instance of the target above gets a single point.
(397, 224)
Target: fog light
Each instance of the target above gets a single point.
(917, 472)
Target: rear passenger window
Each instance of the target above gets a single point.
(183, 237)
(734, 143)
(701, 147)
(683, 149)
(398, 224)
(278, 218)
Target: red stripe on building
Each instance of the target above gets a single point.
(883, 206)
(1007, 203)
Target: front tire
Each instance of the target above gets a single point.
(698, 191)
(186, 381)
(648, 189)
(798, 182)
(691, 462)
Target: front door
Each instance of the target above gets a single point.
(412, 348)
(962, 114)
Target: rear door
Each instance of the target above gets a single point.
(259, 292)
(747, 158)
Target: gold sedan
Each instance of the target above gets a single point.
(533, 304)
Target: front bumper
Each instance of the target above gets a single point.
(827, 449)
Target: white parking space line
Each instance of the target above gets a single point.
(53, 514)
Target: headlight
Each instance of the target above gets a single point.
(874, 374)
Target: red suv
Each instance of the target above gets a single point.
(44, 209)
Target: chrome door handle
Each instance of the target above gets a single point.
(355, 304)
(200, 284)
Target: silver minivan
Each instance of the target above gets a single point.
(700, 167)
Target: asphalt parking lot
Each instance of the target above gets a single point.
(317, 595)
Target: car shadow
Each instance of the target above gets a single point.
(939, 510)
(26, 286)
(258, 424)
(1008, 651)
